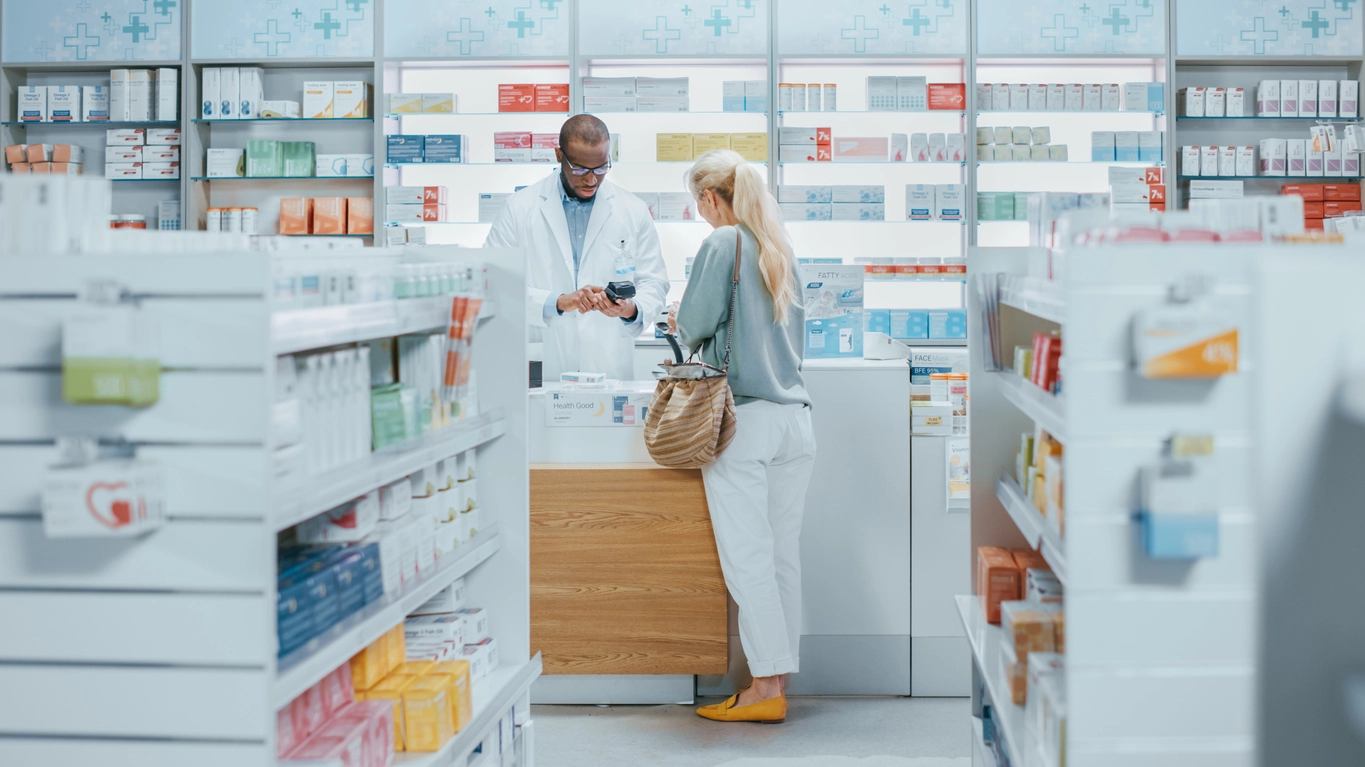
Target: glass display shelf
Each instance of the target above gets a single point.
(97, 124)
(871, 112)
(845, 164)
(1143, 163)
(282, 178)
(145, 180)
(1147, 112)
(1285, 179)
(1254, 118)
(284, 120)
(551, 164)
(395, 115)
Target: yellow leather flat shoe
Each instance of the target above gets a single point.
(771, 711)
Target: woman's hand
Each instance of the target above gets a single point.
(673, 318)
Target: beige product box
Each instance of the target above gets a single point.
(1018, 97)
(1038, 152)
(1075, 97)
(1056, 97)
(1208, 161)
(161, 154)
(119, 110)
(438, 103)
(281, 109)
(350, 98)
(985, 136)
(318, 98)
(1042, 135)
(985, 152)
(1021, 134)
(161, 170)
(1037, 98)
(140, 93)
(1057, 153)
(167, 94)
(1111, 97)
(1003, 135)
(1246, 161)
(1021, 153)
(751, 146)
(123, 170)
(1093, 97)
(405, 103)
(673, 147)
(709, 142)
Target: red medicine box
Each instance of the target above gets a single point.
(949, 96)
(552, 97)
(513, 97)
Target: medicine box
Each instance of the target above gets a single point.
(1308, 98)
(858, 211)
(350, 98)
(410, 147)
(673, 147)
(229, 91)
(1268, 98)
(865, 149)
(1019, 97)
(405, 103)
(516, 97)
(801, 211)
(912, 94)
(360, 165)
(1348, 98)
(1208, 161)
(609, 86)
(278, 109)
(1236, 102)
(1092, 98)
(949, 200)
(1111, 97)
(94, 103)
(756, 96)
(415, 195)
(751, 146)
(1056, 97)
(920, 202)
(661, 86)
(1149, 146)
(543, 146)
(64, 103)
(805, 194)
(33, 103)
(948, 323)
(318, 99)
(1135, 97)
(1327, 98)
(732, 96)
(329, 166)
(432, 103)
(1190, 102)
(250, 92)
(443, 148)
(856, 193)
(709, 142)
(797, 153)
(1126, 146)
(1102, 146)
(127, 136)
(881, 93)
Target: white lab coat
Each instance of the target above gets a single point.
(620, 245)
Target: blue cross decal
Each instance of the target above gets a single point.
(327, 25)
(746, 4)
(687, 10)
(916, 20)
(106, 18)
(82, 41)
(296, 14)
(272, 37)
(521, 24)
(1283, 11)
(1115, 20)
(491, 13)
(718, 22)
(163, 7)
(945, 4)
(549, 5)
(1258, 35)
(1315, 23)
(1084, 9)
(466, 36)
(885, 9)
(136, 28)
(82, 6)
(1343, 5)
(661, 34)
(860, 34)
(355, 5)
(1059, 32)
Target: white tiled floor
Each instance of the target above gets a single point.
(907, 732)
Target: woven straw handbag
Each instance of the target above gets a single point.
(692, 418)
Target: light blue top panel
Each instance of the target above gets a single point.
(80, 30)
(453, 28)
(259, 29)
(673, 27)
(874, 27)
(1257, 28)
(1073, 27)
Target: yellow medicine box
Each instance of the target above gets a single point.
(709, 142)
(398, 647)
(673, 147)
(370, 665)
(427, 721)
(391, 688)
(457, 675)
(415, 667)
(438, 103)
(751, 146)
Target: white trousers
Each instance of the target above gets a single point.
(756, 490)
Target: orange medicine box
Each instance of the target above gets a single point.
(552, 97)
(1334, 191)
(516, 97)
(1331, 208)
(20, 167)
(997, 580)
(1309, 192)
(16, 153)
(1027, 559)
(951, 96)
(360, 215)
(329, 215)
(1314, 224)
(296, 217)
(427, 720)
(1313, 210)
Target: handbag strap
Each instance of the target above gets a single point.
(734, 292)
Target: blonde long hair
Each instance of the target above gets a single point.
(732, 178)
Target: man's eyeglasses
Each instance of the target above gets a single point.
(600, 170)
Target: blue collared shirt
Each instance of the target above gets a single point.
(577, 213)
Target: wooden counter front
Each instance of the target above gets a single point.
(625, 578)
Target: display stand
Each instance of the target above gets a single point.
(184, 667)
(1139, 630)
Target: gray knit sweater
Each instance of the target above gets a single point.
(765, 358)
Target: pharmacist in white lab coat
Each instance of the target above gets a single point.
(581, 232)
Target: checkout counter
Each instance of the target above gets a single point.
(628, 604)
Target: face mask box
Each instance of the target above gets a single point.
(856, 193)
(1190, 102)
(1092, 97)
(1037, 98)
(1268, 98)
(1227, 161)
(1216, 102)
(1289, 98)
(1056, 97)
(1327, 98)
(360, 165)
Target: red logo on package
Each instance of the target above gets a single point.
(552, 97)
(1154, 176)
(108, 506)
(516, 97)
(1156, 193)
(823, 153)
(951, 96)
(824, 135)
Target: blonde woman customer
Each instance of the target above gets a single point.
(756, 489)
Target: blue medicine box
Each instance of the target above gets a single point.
(443, 148)
(406, 148)
(909, 324)
(877, 321)
(949, 323)
(1179, 536)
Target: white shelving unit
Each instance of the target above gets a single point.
(185, 670)
(1160, 660)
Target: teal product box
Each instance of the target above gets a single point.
(1102, 146)
(948, 323)
(835, 337)
(265, 158)
(877, 321)
(821, 260)
(300, 158)
(800, 211)
(1179, 536)
(755, 95)
(1156, 97)
(406, 148)
(732, 96)
(443, 148)
(1021, 205)
(909, 324)
(995, 206)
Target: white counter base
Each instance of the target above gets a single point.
(613, 689)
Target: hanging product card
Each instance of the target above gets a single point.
(1194, 339)
(1179, 502)
(959, 472)
(833, 297)
(622, 406)
(102, 498)
(109, 356)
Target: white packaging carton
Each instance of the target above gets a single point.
(1092, 98)
(1316, 162)
(919, 147)
(1056, 97)
(161, 170)
(163, 136)
(226, 163)
(1308, 98)
(1289, 98)
(948, 202)
(141, 94)
(1327, 98)
(1102, 146)
(1208, 161)
(1331, 162)
(160, 154)
(1127, 146)
(126, 136)
(1215, 102)
(64, 103)
(359, 165)
(1190, 102)
(1000, 97)
(1019, 97)
(250, 92)
(229, 93)
(983, 96)
(1037, 98)
(1227, 161)
(900, 147)
(1296, 150)
(33, 103)
(956, 148)
(1236, 103)
(912, 94)
(317, 99)
(123, 154)
(1190, 161)
(1135, 97)
(1111, 97)
(331, 165)
(118, 95)
(211, 88)
(1348, 98)
(1246, 161)
(937, 147)
(167, 94)
(1075, 97)
(123, 170)
(920, 202)
(1273, 156)
(350, 98)
(1268, 99)
(95, 103)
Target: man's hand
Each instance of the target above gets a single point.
(624, 308)
(673, 318)
(583, 300)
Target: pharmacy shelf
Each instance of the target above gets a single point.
(145, 180)
(285, 120)
(1041, 298)
(282, 178)
(1268, 61)
(329, 235)
(1034, 112)
(307, 666)
(983, 756)
(88, 66)
(297, 330)
(764, 115)
(548, 164)
(1055, 163)
(1283, 179)
(896, 112)
(1042, 407)
(1040, 532)
(309, 496)
(493, 696)
(1268, 118)
(872, 221)
(986, 642)
(98, 124)
(561, 115)
(846, 163)
(913, 342)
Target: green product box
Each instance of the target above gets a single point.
(264, 158)
(300, 158)
(386, 415)
(1021, 205)
(111, 381)
(995, 206)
